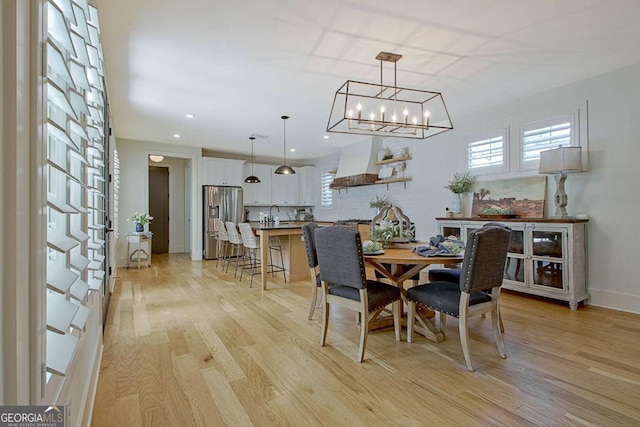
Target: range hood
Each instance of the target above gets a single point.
(357, 164)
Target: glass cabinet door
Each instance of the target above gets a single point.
(451, 231)
(547, 250)
(515, 268)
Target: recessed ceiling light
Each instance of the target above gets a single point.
(189, 116)
(326, 137)
(292, 149)
(175, 135)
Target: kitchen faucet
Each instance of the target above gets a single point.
(270, 215)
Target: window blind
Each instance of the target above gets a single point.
(485, 153)
(326, 194)
(75, 182)
(543, 136)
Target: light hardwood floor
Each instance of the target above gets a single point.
(187, 345)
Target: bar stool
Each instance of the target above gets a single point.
(275, 245)
(236, 246)
(223, 241)
(251, 247)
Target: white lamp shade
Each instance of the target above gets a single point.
(560, 160)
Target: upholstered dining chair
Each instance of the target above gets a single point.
(453, 274)
(308, 231)
(482, 269)
(344, 282)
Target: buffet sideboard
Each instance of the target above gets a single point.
(547, 256)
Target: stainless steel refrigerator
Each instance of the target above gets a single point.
(224, 203)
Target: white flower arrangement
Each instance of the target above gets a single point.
(140, 218)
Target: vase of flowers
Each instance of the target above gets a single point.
(460, 184)
(140, 219)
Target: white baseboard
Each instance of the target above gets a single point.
(614, 300)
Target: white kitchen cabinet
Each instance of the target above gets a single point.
(222, 171)
(547, 257)
(258, 194)
(285, 189)
(307, 185)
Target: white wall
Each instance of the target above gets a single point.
(134, 187)
(608, 192)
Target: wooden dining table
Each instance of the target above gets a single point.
(400, 264)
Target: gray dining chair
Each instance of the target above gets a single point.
(482, 270)
(344, 282)
(452, 275)
(308, 231)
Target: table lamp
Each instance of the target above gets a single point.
(558, 162)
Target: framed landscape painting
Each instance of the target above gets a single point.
(523, 196)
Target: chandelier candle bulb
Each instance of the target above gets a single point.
(359, 108)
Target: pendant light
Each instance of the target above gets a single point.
(284, 169)
(252, 179)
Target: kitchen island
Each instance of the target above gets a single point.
(294, 251)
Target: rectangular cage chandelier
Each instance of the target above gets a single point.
(388, 111)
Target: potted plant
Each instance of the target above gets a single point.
(140, 219)
(379, 202)
(460, 184)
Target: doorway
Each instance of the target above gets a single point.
(159, 208)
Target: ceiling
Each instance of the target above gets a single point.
(238, 66)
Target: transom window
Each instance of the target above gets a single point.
(326, 193)
(545, 135)
(487, 151)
